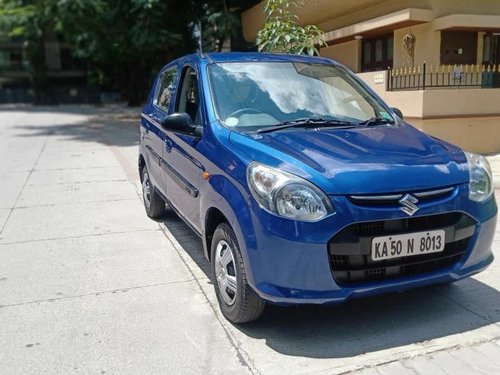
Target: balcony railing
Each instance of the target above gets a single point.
(426, 77)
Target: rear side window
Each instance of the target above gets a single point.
(164, 95)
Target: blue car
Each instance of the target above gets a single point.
(305, 187)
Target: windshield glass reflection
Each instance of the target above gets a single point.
(260, 94)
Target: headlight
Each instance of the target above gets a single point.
(287, 195)
(480, 177)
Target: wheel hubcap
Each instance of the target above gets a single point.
(146, 189)
(225, 272)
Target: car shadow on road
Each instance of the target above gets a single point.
(378, 323)
(189, 241)
(363, 325)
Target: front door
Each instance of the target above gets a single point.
(182, 168)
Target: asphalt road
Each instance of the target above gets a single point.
(90, 285)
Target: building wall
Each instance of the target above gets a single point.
(331, 15)
(427, 45)
(334, 14)
(348, 53)
(444, 113)
(440, 8)
(436, 102)
(450, 102)
(375, 11)
(411, 103)
(426, 48)
(474, 134)
(478, 134)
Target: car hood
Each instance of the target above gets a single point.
(363, 160)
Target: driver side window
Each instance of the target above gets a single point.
(189, 100)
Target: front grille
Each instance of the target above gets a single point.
(368, 229)
(393, 199)
(349, 250)
(408, 225)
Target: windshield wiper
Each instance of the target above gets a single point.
(375, 121)
(307, 123)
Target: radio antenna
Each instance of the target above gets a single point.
(200, 40)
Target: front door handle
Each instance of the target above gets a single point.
(168, 145)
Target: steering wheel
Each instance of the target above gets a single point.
(243, 111)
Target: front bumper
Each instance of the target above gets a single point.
(290, 262)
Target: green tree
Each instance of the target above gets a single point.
(33, 22)
(127, 41)
(123, 41)
(220, 22)
(282, 34)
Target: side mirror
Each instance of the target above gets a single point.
(397, 112)
(182, 123)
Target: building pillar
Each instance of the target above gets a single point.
(480, 47)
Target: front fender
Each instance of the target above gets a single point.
(234, 204)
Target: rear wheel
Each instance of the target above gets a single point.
(153, 203)
(237, 300)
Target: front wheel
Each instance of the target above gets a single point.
(237, 300)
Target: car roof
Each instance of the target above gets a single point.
(260, 56)
(223, 57)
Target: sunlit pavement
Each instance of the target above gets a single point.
(89, 284)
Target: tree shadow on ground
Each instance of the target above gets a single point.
(362, 325)
(108, 125)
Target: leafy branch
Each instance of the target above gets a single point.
(282, 34)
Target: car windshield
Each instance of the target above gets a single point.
(257, 95)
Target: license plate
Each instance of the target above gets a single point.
(402, 245)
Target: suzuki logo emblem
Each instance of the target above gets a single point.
(409, 204)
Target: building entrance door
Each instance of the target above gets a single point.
(377, 53)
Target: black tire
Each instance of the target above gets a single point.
(247, 305)
(153, 203)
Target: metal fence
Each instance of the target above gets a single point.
(443, 76)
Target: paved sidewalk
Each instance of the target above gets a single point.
(473, 359)
(90, 285)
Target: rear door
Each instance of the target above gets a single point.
(155, 136)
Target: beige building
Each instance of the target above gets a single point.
(366, 35)
(455, 67)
